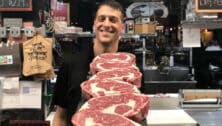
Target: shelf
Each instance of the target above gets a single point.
(210, 24)
(75, 35)
(135, 35)
(171, 82)
(88, 34)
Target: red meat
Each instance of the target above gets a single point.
(133, 106)
(97, 118)
(104, 87)
(125, 74)
(108, 61)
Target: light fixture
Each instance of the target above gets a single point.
(63, 1)
(209, 16)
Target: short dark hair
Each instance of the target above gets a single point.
(113, 4)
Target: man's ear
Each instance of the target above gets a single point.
(93, 28)
(123, 28)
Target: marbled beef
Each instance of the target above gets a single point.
(125, 74)
(108, 61)
(133, 105)
(105, 87)
(97, 118)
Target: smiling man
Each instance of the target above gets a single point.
(108, 26)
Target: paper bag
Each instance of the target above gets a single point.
(37, 56)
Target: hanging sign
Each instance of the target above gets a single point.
(208, 6)
(146, 9)
(15, 5)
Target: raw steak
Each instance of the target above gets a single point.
(104, 87)
(109, 61)
(97, 118)
(125, 74)
(116, 57)
(133, 105)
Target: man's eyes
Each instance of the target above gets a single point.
(101, 19)
(111, 19)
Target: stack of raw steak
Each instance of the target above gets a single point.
(117, 66)
(112, 93)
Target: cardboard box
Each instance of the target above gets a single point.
(145, 28)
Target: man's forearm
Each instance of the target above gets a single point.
(59, 122)
(60, 117)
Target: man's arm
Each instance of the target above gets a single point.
(60, 117)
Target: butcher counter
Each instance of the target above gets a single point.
(184, 117)
(179, 117)
(167, 111)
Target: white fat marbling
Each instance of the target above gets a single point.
(128, 58)
(90, 122)
(129, 75)
(84, 106)
(98, 65)
(96, 89)
(112, 108)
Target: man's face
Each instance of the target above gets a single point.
(108, 24)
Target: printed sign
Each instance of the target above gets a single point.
(60, 11)
(37, 52)
(6, 60)
(208, 6)
(15, 5)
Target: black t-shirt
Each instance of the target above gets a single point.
(74, 70)
(67, 91)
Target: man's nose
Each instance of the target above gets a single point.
(107, 22)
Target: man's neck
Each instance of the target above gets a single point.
(100, 48)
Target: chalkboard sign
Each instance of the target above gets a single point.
(15, 5)
(209, 6)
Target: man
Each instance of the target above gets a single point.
(201, 67)
(108, 26)
(213, 45)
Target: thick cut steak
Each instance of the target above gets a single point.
(125, 74)
(116, 57)
(109, 61)
(105, 87)
(97, 118)
(133, 105)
